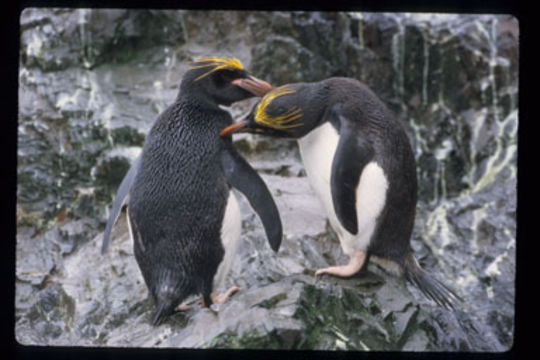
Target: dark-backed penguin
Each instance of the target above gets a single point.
(360, 164)
(182, 214)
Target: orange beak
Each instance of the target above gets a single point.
(255, 86)
(234, 128)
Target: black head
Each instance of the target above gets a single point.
(286, 111)
(221, 81)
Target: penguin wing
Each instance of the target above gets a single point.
(241, 176)
(120, 201)
(352, 154)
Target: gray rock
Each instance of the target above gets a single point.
(92, 82)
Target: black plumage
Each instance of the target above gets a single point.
(176, 192)
(368, 133)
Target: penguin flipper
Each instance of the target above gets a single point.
(241, 176)
(352, 154)
(119, 202)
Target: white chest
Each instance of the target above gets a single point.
(230, 238)
(317, 150)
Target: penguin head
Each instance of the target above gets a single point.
(285, 111)
(221, 81)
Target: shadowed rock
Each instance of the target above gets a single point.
(93, 81)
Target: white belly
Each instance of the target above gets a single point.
(230, 238)
(317, 150)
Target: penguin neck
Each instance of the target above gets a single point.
(188, 94)
(318, 106)
(199, 100)
(192, 113)
(201, 111)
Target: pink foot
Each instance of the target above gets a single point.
(356, 261)
(183, 307)
(221, 298)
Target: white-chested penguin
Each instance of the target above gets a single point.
(182, 214)
(361, 166)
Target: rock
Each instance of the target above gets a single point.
(51, 315)
(278, 306)
(36, 256)
(92, 81)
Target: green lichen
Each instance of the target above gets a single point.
(270, 303)
(127, 136)
(234, 341)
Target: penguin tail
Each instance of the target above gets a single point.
(428, 285)
(169, 289)
(161, 313)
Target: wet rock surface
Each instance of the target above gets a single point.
(93, 81)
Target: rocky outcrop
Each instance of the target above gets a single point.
(93, 81)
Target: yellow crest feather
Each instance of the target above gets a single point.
(278, 122)
(215, 64)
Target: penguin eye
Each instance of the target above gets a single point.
(280, 109)
(225, 77)
(277, 110)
